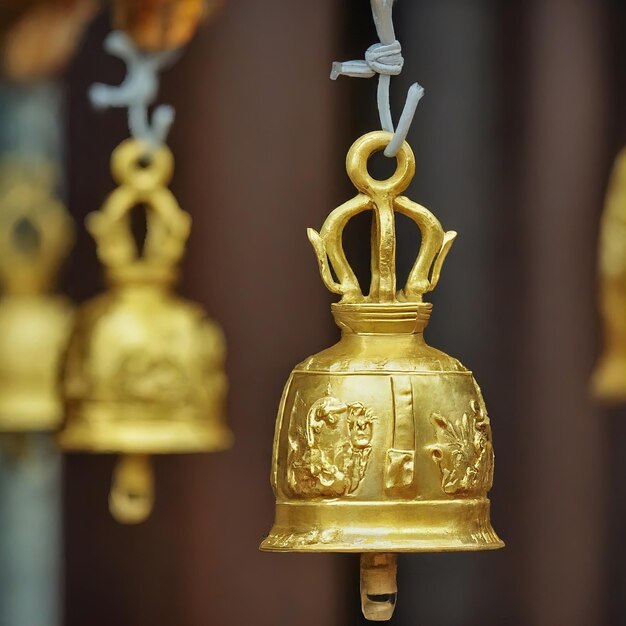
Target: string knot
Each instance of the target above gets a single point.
(386, 60)
(138, 90)
(381, 58)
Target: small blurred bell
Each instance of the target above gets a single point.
(145, 369)
(383, 444)
(609, 378)
(36, 234)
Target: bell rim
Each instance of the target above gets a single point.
(78, 440)
(448, 525)
(497, 545)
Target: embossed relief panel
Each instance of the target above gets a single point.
(335, 437)
(182, 369)
(463, 449)
(343, 436)
(436, 393)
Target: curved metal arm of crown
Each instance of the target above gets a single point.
(425, 273)
(436, 244)
(168, 228)
(36, 233)
(328, 247)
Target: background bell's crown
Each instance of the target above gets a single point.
(167, 225)
(36, 232)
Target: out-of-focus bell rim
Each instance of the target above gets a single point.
(144, 437)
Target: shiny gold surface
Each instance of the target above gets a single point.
(35, 236)
(609, 378)
(382, 442)
(157, 25)
(145, 369)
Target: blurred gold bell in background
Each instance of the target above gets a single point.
(609, 378)
(157, 25)
(383, 444)
(36, 234)
(144, 372)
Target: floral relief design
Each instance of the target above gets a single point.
(148, 377)
(464, 452)
(330, 456)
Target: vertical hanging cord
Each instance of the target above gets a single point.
(386, 60)
(138, 90)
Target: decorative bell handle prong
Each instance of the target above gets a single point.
(379, 587)
(132, 491)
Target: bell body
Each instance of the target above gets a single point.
(382, 444)
(34, 330)
(144, 375)
(609, 377)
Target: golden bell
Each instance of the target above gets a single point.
(382, 444)
(609, 378)
(157, 25)
(144, 372)
(35, 236)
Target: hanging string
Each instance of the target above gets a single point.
(386, 60)
(138, 90)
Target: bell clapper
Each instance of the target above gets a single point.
(132, 490)
(379, 587)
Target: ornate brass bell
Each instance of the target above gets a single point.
(609, 378)
(144, 372)
(35, 236)
(382, 444)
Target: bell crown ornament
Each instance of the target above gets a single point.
(382, 442)
(36, 234)
(167, 228)
(144, 372)
(384, 199)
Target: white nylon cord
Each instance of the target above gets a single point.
(138, 90)
(386, 60)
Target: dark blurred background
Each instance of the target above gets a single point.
(525, 109)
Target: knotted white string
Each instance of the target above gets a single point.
(386, 60)
(138, 90)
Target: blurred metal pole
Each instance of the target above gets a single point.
(30, 466)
